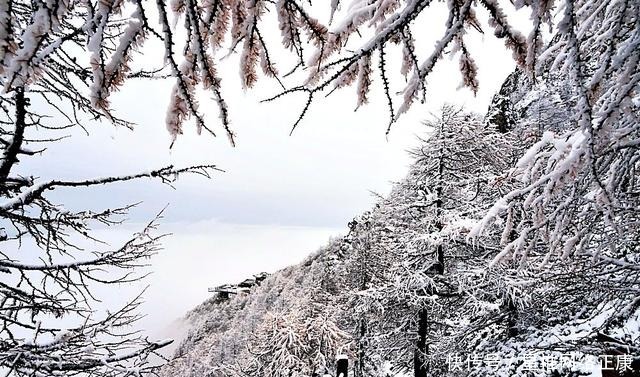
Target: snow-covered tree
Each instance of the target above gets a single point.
(455, 175)
(281, 349)
(53, 266)
(365, 266)
(59, 60)
(578, 182)
(301, 338)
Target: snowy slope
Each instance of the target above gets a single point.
(407, 287)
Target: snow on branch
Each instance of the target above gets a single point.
(34, 192)
(576, 196)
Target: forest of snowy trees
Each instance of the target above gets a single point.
(411, 291)
(511, 247)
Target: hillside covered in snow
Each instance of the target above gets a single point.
(446, 276)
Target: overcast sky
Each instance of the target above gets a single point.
(279, 198)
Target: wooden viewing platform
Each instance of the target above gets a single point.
(244, 287)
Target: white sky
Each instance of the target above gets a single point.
(280, 198)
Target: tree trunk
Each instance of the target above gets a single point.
(420, 367)
(361, 348)
(10, 155)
